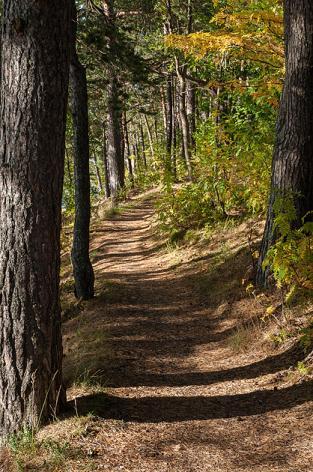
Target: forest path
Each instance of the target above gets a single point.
(178, 398)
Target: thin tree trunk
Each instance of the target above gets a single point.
(128, 152)
(181, 75)
(191, 112)
(68, 167)
(143, 144)
(82, 267)
(149, 136)
(136, 160)
(164, 113)
(138, 157)
(169, 124)
(156, 130)
(292, 169)
(183, 116)
(174, 150)
(105, 164)
(115, 161)
(98, 175)
(34, 84)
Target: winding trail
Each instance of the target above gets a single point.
(179, 398)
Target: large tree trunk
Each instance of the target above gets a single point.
(292, 170)
(82, 268)
(34, 84)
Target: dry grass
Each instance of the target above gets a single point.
(246, 336)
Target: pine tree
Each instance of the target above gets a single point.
(82, 268)
(34, 82)
(292, 170)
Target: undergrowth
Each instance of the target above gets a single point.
(231, 171)
(291, 257)
(27, 452)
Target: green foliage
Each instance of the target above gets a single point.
(231, 170)
(291, 257)
(280, 337)
(22, 442)
(25, 447)
(302, 368)
(188, 206)
(306, 339)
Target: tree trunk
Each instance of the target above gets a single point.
(137, 164)
(156, 130)
(138, 155)
(292, 169)
(34, 84)
(82, 268)
(183, 117)
(115, 161)
(98, 174)
(68, 167)
(128, 152)
(169, 124)
(149, 132)
(143, 144)
(164, 113)
(174, 150)
(105, 163)
(191, 112)
(135, 152)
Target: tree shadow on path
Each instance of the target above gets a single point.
(151, 409)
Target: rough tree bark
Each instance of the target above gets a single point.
(82, 267)
(292, 169)
(34, 84)
(115, 160)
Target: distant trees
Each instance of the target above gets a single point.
(292, 169)
(34, 83)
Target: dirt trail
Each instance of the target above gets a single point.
(178, 398)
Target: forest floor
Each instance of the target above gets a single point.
(171, 368)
